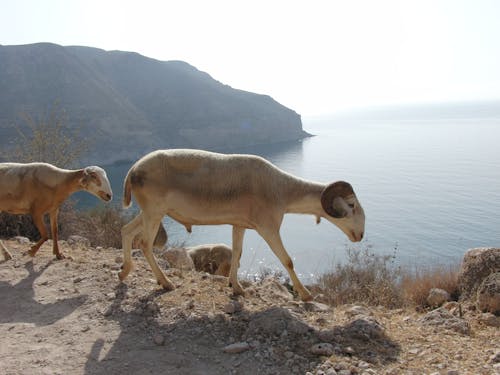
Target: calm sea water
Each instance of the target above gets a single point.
(430, 190)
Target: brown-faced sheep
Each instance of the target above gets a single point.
(40, 188)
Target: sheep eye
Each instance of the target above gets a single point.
(351, 205)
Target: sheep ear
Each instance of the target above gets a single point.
(84, 180)
(332, 199)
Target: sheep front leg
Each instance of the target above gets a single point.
(53, 230)
(238, 233)
(149, 233)
(38, 221)
(274, 241)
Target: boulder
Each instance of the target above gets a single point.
(446, 320)
(477, 264)
(488, 294)
(437, 297)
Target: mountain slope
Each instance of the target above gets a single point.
(128, 104)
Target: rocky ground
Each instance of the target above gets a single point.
(74, 317)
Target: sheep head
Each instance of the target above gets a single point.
(95, 181)
(343, 209)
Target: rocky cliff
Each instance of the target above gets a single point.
(128, 104)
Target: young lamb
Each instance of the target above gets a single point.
(197, 187)
(40, 188)
(214, 259)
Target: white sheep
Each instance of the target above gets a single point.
(197, 187)
(40, 188)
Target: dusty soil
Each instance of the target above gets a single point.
(74, 317)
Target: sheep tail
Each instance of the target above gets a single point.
(127, 190)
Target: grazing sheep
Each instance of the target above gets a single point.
(214, 259)
(197, 187)
(40, 188)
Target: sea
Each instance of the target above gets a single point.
(430, 189)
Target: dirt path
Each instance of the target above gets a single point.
(74, 317)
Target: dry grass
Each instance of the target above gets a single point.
(102, 225)
(416, 284)
(373, 279)
(366, 277)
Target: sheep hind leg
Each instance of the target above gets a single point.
(5, 252)
(238, 233)
(274, 241)
(53, 229)
(129, 231)
(150, 230)
(38, 221)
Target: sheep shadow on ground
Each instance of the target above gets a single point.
(186, 344)
(20, 306)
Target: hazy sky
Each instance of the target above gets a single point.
(313, 56)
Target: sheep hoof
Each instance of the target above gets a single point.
(59, 256)
(238, 290)
(31, 252)
(167, 285)
(306, 297)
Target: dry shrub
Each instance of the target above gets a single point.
(101, 225)
(48, 139)
(18, 225)
(416, 284)
(365, 278)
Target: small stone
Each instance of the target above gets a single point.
(495, 358)
(22, 240)
(233, 307)
(357, 310)
(452, 372)
(77, 279)
(237, 347)
(190, 304)
(316, 307)
(159, 340)
(489, 319)
(107, 312)
(119, 259)
(348, 350)
(324, 348)
(363, 364)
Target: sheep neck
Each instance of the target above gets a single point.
(304, 197)
(71, 185)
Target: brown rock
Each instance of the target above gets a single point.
(477, 264)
